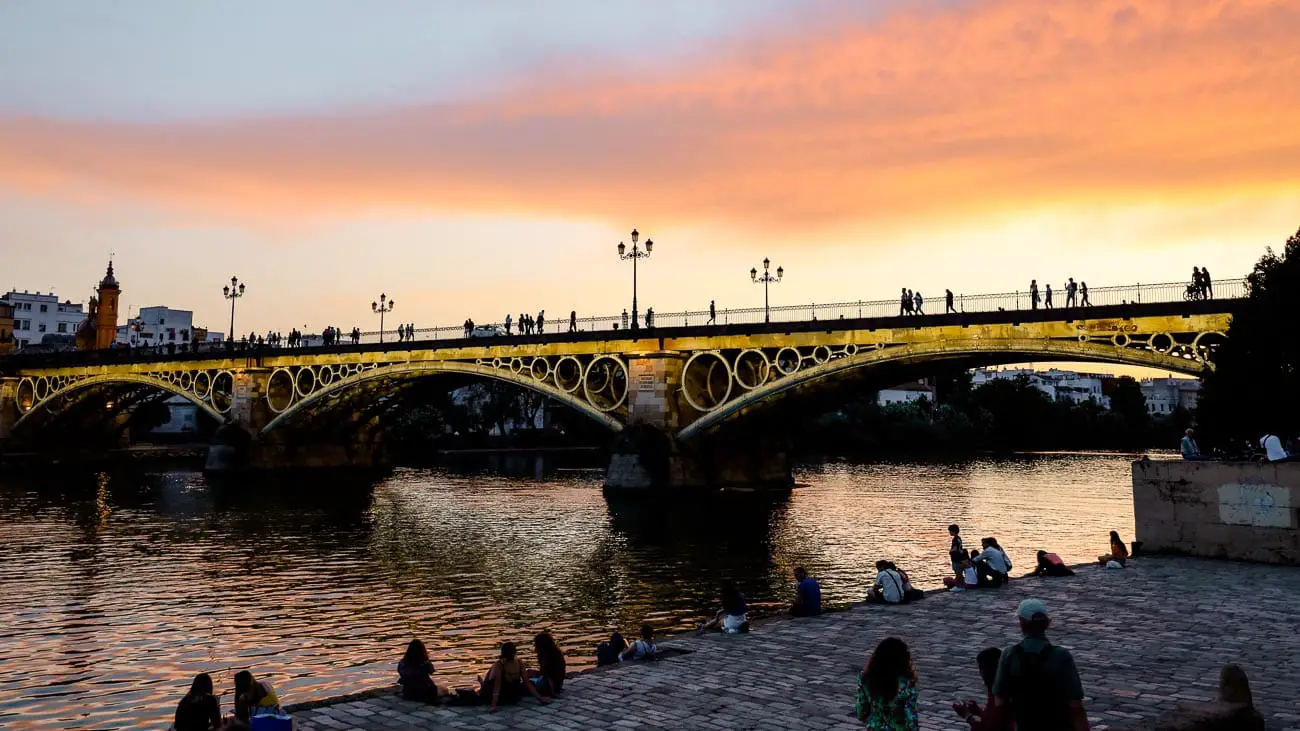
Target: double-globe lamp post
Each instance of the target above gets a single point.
(766, 278)
(384, 305)
(232, 292)
(634, 254)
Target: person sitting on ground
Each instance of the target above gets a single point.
(807, 595)
(254, 698)
(549, 678)
(887, 688)
(1188, 446)
(989, 717)
(415, 674)
(199, 709)
(1118, 553)
(1050, 564)
(991, 564)
(910, 593)
(1273, 449)
(888, 588)
(1039, 680)
(733, 617)
(504, 682)
(642, 649)
(609, 652)
(967, 578)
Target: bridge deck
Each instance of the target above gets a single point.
(626, 340)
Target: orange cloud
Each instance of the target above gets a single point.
(988, 106)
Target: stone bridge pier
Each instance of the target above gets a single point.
(649, 452)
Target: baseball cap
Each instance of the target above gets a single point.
(1030, 608)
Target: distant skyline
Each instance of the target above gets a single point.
(471, 160)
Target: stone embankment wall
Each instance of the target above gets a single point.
(1233, 510)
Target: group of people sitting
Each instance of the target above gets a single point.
(200, 710)
(506, 682)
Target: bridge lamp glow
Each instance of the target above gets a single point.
(766, 279)
(634, 254)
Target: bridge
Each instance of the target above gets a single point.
(685, 403)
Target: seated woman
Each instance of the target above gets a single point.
(549, 678)
(504, 682)
(888, 588)
(1050, 564)
(415, 674)
(910, 593)
(968, 579)
(642, 649)
(609, 652)
(887, 688)
(1118, 553)
(733, 617)
(199, 709)
(254, 697)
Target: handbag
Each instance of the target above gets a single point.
(271, 722)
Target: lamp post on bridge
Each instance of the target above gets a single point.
(232, 292)
(634, 254)
(766, 278)
(383, 306)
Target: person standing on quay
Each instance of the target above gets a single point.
(1038, 679)
(1033, 294)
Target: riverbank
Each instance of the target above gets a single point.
(1144, 639)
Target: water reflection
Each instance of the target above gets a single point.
(115, 588)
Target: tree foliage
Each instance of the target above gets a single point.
(1255, 387)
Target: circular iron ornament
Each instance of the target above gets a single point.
(516, 366)
(788, 360)
(1085, 338)
(1119, 340)
(717, 359)
(218, 394)
(756, 364)
(298, 382)
(290, 388)
(571, 381)
(42, 389)
(202, 385)
(496, 362)
(851, 349)
(186, 381)
(1200, 348)
(821, 354)
(609, 383)
(1162, 343)
(539, 374)
(325, 375)
(26, 404)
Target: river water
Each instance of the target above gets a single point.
(115, 589)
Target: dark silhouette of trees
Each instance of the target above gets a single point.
(1255, 387)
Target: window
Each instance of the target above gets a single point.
(24, 324)
(63, 327)
(45, 308)
(40, 327)
(27, 306)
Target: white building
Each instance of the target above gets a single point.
(905, 393)
(157, 326)
(182, 416)
(1165, 395)
(1057, 385)
(37, 314)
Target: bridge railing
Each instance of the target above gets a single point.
(933, 304)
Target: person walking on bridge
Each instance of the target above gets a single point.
(507, 323)
(1071, 289)
(713, 314)
(650, 317)
(573, 321)
(947, 298)
(1083, 294)
(1047, 297)
(919, 302)
(1033, 294)
(541, 321)
(1206, 283)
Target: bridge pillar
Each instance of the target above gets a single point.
(8, 406)
(647, 454)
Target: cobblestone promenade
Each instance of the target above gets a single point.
(1144, 638)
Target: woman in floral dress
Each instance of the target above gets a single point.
(887, 688)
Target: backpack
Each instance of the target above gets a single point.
(1036, 697)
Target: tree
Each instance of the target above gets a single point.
(1255, 386)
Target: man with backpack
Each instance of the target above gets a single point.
(1038, 679)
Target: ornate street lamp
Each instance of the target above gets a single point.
(634, 254)
(384, 305)
(766, 278)
(232, 292)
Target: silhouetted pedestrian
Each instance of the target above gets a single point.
(650, 317)
(507, 324)
(541, 321)
(1083, 294)
(904, 303)
(1071, 289)
(713, 314)
(573, 321)
(1033, 294)
(919, 302)
(1205, 280)
(947, 298)
(1047, 297)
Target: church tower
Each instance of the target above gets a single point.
(106, 317)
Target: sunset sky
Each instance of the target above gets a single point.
(476, 158)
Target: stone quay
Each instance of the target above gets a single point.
(1146, 639)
